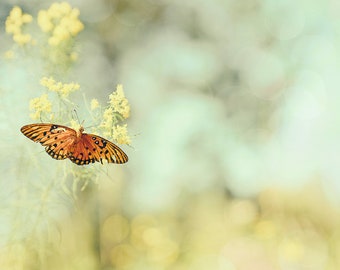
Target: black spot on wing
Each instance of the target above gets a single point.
(53, 127)
(104, 143)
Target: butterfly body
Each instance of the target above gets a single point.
(62, 142)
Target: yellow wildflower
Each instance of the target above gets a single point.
(118, 107)
(74, 124)
(107, 122)
(44, 21)
(57, 10)
(68, 88)
(61, 22)
(40, 105)
(14, 23)
(119, 102)
(22, 39)
(47, 82)
(63, 89)
(94, 104)
(120, 134)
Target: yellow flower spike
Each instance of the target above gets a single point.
(27, 18)
(94, 104)
(64, 22)
(54, 11)
(15, 13)
(40, 105)
(107, 122)
(61, 23)
(119, 102)
(61, 33)
(44, 21)
(57, 87)
(107, 118)
(74, 124)
(68, 88)
(74, 14)
(120, 134)
(22, 39)
(75, 27)
(62, 89)
(14, 23)
(47, 82)
(10, 28)
(65, 8)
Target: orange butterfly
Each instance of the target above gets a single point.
(63, 142)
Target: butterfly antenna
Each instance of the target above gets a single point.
(76, 114)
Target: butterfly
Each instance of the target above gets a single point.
(62, 142)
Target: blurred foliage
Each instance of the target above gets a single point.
(212, 231)
(234, 163)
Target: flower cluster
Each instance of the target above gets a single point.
(119, 103)
(63, 89)
(61, 22)
(74, 124)
(40, 105)
(94, 104)
(117, 110)
(14, 24)
(107, 122)
(120, 134)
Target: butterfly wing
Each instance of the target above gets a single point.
(92, 148)
(58, 140)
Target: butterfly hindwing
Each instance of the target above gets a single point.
(56, 154)
(82, 154)
(92, 148)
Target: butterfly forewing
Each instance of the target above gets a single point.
(47, 133)
(57, 139)
(62, 142)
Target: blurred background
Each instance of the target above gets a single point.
(235, 127)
